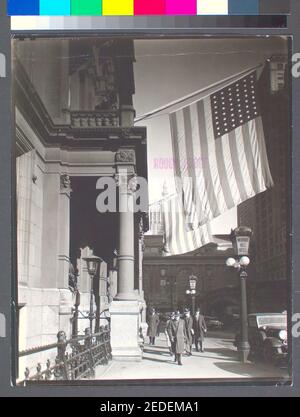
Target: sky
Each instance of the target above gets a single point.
(167, 70)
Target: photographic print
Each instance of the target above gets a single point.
(153, 208)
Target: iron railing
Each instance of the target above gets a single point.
(87, 352)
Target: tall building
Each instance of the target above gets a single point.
(268, 213)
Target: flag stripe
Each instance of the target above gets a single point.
(211, 142)
(202, 201)
(256, 154)
(209, 185)
(181, 144)
(263, 152)
(223, 174)
(230, 170)
(175, 144)
(177, 239)
(236, 165)
(189, 194)
(251, 166)
(242, 160)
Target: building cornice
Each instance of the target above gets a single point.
(66, 135)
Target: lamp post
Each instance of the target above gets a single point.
(241, 241)
(92, 263)
(192, 291)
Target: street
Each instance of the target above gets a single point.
(218, 361)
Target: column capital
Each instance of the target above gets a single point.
(125, 156)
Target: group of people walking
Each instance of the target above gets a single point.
(182, 331)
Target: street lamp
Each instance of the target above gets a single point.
(192, 291)
(240, 238)
(92, 263)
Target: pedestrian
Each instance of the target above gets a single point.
(188, 319)
(167, 333)
(178, 337)
(158, 326)
(153, 322)
(200, 329)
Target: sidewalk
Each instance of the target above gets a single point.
(218, 361)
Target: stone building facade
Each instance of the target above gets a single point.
(74, 125)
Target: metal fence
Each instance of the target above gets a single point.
(76, 358)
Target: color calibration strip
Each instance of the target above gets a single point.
(146, 7)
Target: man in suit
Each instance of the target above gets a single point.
(177, 334)
(167, 333)
(153, 322)
(188, 319)
(200, 329)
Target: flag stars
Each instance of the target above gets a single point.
(234, 106)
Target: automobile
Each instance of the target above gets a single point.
(267, 334)
(213, 323)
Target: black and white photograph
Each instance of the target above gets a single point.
(152, 208)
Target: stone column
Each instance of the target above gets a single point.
(124, 310)
(143, 305)
(65, 299)
(64, 231)
(126, 184)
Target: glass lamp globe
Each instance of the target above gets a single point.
(244, 261)
(92, 263)
(230, 262)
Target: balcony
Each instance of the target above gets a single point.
(95, 119)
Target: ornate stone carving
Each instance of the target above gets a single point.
(142, 235)
(65, 184)
(127, 182)
(126, 132)
(94, 119)
(65, 181)
(125, 155)
(132, 184)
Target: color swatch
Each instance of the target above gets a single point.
(55, 7)
(86, 7)
(117, 7)
(146, 7)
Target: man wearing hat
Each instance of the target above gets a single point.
(177, 335)
(153, 322)
(200, 329)
(188, 319)
(167, 333)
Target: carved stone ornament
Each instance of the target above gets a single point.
(126, 132)
(142, 235)
(127, 182)
(65, 183)
(125, 156)
(132, 184)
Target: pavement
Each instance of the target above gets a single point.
(219, 361)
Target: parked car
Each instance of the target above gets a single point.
(267, 337)
(213, 323)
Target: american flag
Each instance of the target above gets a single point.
(179, 236)
(219, 151)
